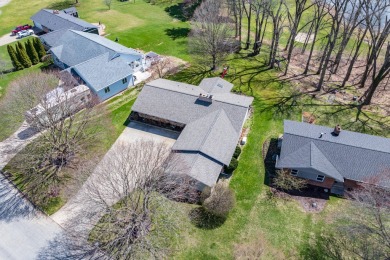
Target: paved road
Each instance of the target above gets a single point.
(24, 231)
(77, 209)
(15, 143)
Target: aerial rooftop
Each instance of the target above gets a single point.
(349, 155)
(213, 121)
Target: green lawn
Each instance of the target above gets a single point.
(281, 225)
(137, 25)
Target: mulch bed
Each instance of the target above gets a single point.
(312, 199)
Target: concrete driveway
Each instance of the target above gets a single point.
(24, 231)
(15, 143)
(8, 38)
(77, 209)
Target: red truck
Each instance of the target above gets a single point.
(20, 28)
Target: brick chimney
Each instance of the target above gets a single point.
(337, 130)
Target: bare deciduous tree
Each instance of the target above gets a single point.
(285, 181)
(361, 229)
(108, 3)
(134, 188)
(221, 200)
(62, 117)
(211, 33)
(164, 67)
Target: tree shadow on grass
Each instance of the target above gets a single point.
(202, 219)
(181, 11)
(59, 5)
(176, 33)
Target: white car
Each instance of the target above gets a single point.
(24, 33)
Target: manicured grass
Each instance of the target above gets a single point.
(137, 25)
(7, 127)
(282, 225)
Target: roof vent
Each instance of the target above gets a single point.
(56, 11)
(206, 97)
(337, 130)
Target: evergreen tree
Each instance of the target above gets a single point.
(31, 52)
(14, 58)
(23, 57)
(40, 49)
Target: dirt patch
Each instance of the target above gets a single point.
(301, 37)
(331, 92)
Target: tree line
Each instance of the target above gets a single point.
(24, 56)
(335, 32)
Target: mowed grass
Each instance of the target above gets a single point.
(282, 226)
(137, 24)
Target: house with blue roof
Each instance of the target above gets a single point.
(332, 158)
(48, 20)
(106, 67)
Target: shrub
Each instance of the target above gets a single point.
(232, 166)
(221, 200)
(206, 192)
(285, 181)
(237, 152)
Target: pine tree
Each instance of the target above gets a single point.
(23, 57)
(31, 52)
(39, 48)
(14, 58)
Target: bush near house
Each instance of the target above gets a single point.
(221, 200)
(286, 182)
(237, 152)
(232, 166)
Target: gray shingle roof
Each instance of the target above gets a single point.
(178, 102)
(309, 156)
(75, 47)
(51, 39)
(216, 85)
(212, 129)
(353, 155)
(61, 20)
(200, 167)
(212, 135)
(102, 71)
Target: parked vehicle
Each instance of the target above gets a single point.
(24, 33)
(58, 104)
(20, 28)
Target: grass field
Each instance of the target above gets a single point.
(137, 24)
(281, 226)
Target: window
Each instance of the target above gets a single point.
(294, 172)
(320, 178)
(124, 80)
(107, 89)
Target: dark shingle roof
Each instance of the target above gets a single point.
(179, 102)
(353, 155)
(200, 167)
(212, 135)
(102, 71)
(60, 20)
(216, 85)
(51, 39)
(212, 128)
(75, 47)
